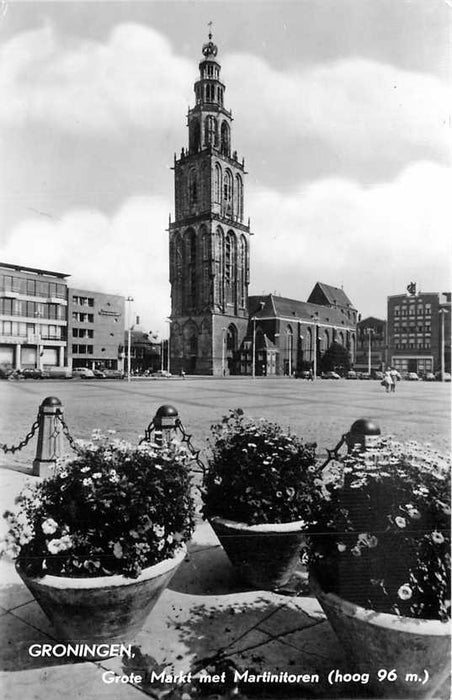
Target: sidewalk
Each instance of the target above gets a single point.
(205, 619)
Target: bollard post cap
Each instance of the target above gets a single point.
(365, 426)
(51, 401)
(166, 417)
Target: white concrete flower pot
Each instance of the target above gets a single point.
(374, 641)
(266, 555)
(106, 609)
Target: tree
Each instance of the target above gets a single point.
(336, 359)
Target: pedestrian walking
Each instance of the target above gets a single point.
(387, 381)
(394, 376)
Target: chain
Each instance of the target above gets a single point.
(334, 453)
(66, 433)
(147, 433)
(25, 441)
(186, 437)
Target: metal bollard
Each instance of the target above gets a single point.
(49, 447)
(165, 421)
(364, 434)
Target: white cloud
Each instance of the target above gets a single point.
(77, 85)
(374, 239)
(126, 254)
(356, 106)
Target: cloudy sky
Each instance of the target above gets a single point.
(341, 109)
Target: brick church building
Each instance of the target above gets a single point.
(216, 328)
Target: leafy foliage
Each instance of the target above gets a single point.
(336, 359)
(114, 509)
(382, 539)
(258, 473)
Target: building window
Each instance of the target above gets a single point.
(411, 310)
(428, 309)
(396, 310)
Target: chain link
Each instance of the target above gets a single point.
(67, 433)
(25, 441)
(186, 437)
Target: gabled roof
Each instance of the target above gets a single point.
(329, 295)
(271, 306)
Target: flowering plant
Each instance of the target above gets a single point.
(113, 509)
(382, 539)
(258, 473)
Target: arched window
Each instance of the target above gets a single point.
(217, 188)
(243, 275)
(191, 287)
(327, 339)
(219, 267)
(225, 139)
(239, 197)
(193, 187)
(211, 131)
(227, 186)
(195, 136)
(309, 343)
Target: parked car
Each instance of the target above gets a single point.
(161, 373)
(376, 374)
(330, 375)
(351, 374)
(429, 377)
(364, 375)
(99, 373)
(113, 374)
(303, 374)
(5, 372)
(446, 376)
(34, 373)
(412, 377)
(60, 373)
(83, 373)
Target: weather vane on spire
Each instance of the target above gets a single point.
(209, 24)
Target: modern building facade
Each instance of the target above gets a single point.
(418, 329)
(371, 345)
(215, 328)
(33, 317)
(96, 329)
(209, 239)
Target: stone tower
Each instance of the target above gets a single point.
(208, 241)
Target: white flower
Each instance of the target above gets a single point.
(113, 475)
(97, 475)
(87, 482)
(356, 551)
(158, 530)
(49, 526)
(117, 550)
(400, 522)
(405, 592)
(341, 547)
(437, 537)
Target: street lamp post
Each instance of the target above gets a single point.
(223, 330)
(369, 332)
(38, 342)
(443, 312)
(129, 300)
(316, 328)
(289, 352)
(168, 320)
(253, 360)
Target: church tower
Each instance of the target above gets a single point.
(208, 241)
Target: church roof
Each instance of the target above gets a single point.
(271, 306)
(327, 294)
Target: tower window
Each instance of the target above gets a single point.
(225, 139)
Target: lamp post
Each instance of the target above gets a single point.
(289, 351)
(223, 330)
(38, 342)
(443, 312)
(316, 327)
(253, 360)
(129, 300)
(168, 321)
(369, 332)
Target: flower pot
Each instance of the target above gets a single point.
(265, 556)
(383, 642)
(106, 609)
